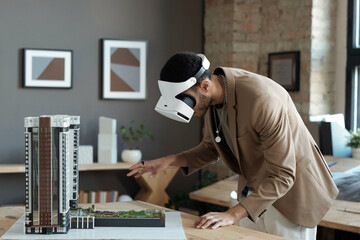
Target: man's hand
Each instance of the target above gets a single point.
(154, 167)
(221, 219)
(215, 220)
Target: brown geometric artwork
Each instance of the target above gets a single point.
(125, 70)
(54, 71)
(117, 84)
(125, 57)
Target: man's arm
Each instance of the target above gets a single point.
(189, 161)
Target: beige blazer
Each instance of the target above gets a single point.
(274, 152)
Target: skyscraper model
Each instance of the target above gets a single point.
(74, 159)
(51, 144)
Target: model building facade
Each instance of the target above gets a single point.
(74, 159)
(51, 149)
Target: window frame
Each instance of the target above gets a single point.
(353, 61)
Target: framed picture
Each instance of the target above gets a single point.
(284, 68)
(124, 69)
(47, 68)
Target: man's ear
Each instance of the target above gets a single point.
(204, 85)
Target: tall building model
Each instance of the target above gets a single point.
(51, 168)
(51, 149)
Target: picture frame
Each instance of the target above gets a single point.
(124, 69)
(47, 68)
(284, 68)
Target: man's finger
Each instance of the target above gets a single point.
(197, 222)
(135, 166)
(208, 223)
(200, 222)
(216, 225)
(134, 171)
(203, 220)
(131, 173)
(138, 175)
(154, 172)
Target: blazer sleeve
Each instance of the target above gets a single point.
(270, 120)
(201, 155)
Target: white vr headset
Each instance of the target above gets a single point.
(177, 105)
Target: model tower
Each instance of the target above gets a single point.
(74, 159)
(51, 144)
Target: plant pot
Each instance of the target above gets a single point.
(131, 155)
(355, 153)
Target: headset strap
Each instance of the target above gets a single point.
(199, 73)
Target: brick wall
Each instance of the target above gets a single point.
(219, 33)
(322, 57)
(241, 33)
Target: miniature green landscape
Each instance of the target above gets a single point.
(89, 218)
(117, 214)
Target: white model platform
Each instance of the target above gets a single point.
(172, 230)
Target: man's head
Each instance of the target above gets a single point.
(183, 66)
(188, 72)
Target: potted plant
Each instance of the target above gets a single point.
(354, 143)
(132, 136)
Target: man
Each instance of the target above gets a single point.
(251, 123)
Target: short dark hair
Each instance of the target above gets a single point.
(182, 66)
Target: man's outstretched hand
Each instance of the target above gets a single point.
(154, 167)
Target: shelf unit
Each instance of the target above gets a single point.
(20, 168)
(151, 190)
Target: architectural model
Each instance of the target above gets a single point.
(51, 170)
(52, 180)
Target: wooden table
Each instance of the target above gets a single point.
(8, 215)
(336, 218)
(219, 193)
(342, 164)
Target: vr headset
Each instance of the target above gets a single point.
(175, 104)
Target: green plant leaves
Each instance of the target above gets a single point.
(354, 140)
(132, 134)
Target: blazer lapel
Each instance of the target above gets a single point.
(231, 103)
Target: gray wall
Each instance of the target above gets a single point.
(169, 26)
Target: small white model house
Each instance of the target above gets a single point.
(107, 140)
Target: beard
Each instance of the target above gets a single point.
(204, 104)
